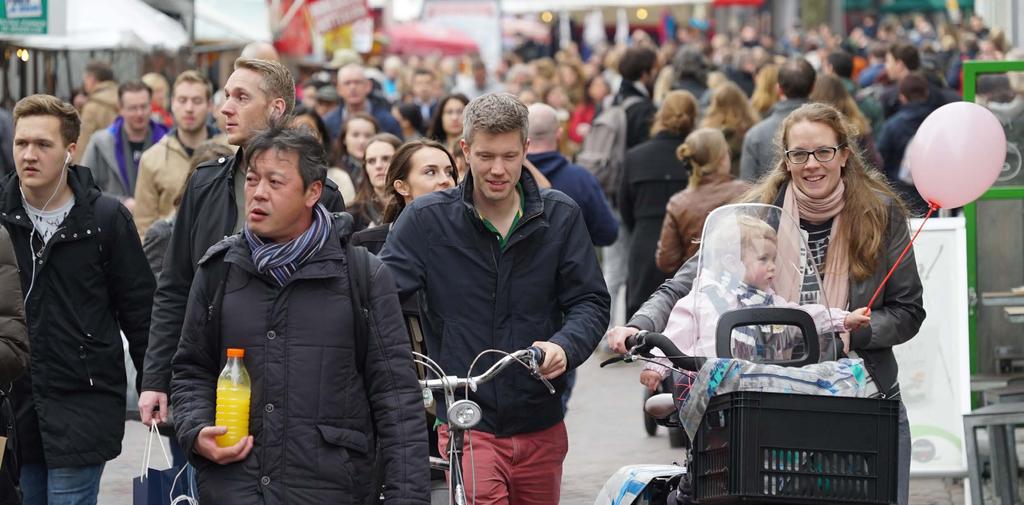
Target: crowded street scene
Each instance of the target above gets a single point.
(511, 252)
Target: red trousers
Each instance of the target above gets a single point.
(522, 469)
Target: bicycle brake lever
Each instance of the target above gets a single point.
(551, 389)
(610, 361)
(535, 372)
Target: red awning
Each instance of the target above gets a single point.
(418, 38)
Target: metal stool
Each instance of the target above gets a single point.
(1000, 420)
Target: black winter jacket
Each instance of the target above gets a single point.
(314, 417)
(544, 285)
(92, 282)
(207, 215)
(639, 116)
(651, 175)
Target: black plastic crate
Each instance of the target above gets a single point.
(774, 448)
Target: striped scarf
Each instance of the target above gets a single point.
(282, 260)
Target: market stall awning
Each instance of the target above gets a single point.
(420, 38)
(921, 5)
(125, 24)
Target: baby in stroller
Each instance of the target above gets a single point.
(727, 283)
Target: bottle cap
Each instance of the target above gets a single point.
(236, 353)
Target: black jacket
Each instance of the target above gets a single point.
(91, 283)
(544, 285)
(313, 415)
(896, 134)
(207, 215)
(639, 116)
(652, 174)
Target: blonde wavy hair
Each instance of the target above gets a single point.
(766, 91)
(677, 115)
(867, 194)
(730, 109)
(703, 151)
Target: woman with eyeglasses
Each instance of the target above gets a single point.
(856, 228)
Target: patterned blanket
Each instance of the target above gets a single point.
(846, 377)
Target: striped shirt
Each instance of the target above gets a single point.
(817, 237)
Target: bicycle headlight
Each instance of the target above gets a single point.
(464, 414)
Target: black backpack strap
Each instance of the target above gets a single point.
(358, 261)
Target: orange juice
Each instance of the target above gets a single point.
(233, 393)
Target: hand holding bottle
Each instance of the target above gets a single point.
(206, 446)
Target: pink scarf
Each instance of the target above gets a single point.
(837, 260)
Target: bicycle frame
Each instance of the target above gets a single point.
(530, 358)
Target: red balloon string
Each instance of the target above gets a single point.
(932, 207)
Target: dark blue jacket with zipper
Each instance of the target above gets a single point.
(580, 185)
(545, 284)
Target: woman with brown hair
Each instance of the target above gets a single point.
(711, 185)
(446, 124)
(355, 134)
(651, 175)
(829, 89)
(372, 192)
(418, 167)
(731, 112)
(856, 228)
(766, 89)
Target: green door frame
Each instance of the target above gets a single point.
(971, 70)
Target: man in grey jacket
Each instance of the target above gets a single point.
(796, 80)
(113, 154)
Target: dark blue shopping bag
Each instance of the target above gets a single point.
(157, 487)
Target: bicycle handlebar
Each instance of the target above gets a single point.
(532, 357)
(643, 341)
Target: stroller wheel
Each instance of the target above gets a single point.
(650, 425)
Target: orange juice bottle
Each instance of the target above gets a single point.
(233, 392)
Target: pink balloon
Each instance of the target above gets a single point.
(957, 154)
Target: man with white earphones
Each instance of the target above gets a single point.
(85, 280)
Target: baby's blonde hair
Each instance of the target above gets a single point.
(723, 239)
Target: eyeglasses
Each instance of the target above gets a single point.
(822, 154)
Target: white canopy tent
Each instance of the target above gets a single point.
(127, 24)
(232, 21)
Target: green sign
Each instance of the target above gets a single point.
(24, 17)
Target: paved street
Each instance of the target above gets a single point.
(605, 432)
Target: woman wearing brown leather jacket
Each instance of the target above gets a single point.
(711, 186)
(13, 360)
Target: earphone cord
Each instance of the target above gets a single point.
(31, 221)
